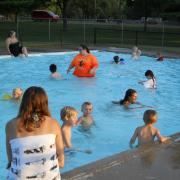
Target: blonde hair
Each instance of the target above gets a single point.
(149, 116)
(16, 89)
(67, 112)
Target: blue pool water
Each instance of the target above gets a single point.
(114, 125)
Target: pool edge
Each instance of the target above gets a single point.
(128, 165)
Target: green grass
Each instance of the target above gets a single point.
(36, 34)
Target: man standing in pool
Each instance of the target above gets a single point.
(85, 63)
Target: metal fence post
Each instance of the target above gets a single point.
(17, 27)
(136, 41)
(94, 36)
(122, 33)
(162, 38)
(84, 32)
(49, 31)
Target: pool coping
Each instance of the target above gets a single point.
(128, 165)
(150, 53)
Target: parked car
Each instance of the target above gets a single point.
(152, 20)
(44, 15)
(2, 18)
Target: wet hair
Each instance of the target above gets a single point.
(33, 108)
(85, 104)
(128, 94)
(67, 112)
(116, 59)
(148, 116)
(150, 73)
(84, 47)
(53, 68)
(11, 33)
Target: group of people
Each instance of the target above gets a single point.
(35, 141)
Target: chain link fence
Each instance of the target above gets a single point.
(44, 33)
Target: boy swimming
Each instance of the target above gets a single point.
(86, 120)
(54, 73)
(147, 133)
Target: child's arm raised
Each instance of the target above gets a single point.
(133, 138)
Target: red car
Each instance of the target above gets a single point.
(44, 15)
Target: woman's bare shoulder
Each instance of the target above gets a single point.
(52, 122)
(11, 123)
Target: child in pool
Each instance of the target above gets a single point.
(151, 82)
(118, 60)
(130, 98)
(16, 95)
(54, 73)
(160, 57)
(69, 118)
(86, 120)
(136, 52)
(147, 133)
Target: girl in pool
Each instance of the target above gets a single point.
(33, 140)
(14, 47)
(147, 133)
(130, 98)
(151, 82)
(69, 118)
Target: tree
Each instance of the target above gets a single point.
(63, 4)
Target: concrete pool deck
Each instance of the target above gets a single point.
(157, 162)
(149, 52)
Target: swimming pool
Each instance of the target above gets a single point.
(114, 125)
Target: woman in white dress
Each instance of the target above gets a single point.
(151, 80)
(34, 141)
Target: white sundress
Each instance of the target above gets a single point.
(34, 157)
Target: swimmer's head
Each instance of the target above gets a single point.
(86, 108)
(83, 49)
(69, 115)
(121, 60)
(116, 59)
(11, 33)
(150, 116)
(53, 68)
(149, 74)
(17, 93)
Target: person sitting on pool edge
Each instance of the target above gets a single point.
(130, 98)
(86, 120)
(85, 63)
(69, 117)
(16, 95)
(118, 60)
(147, 133)
(54, 73)
(14, 47)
